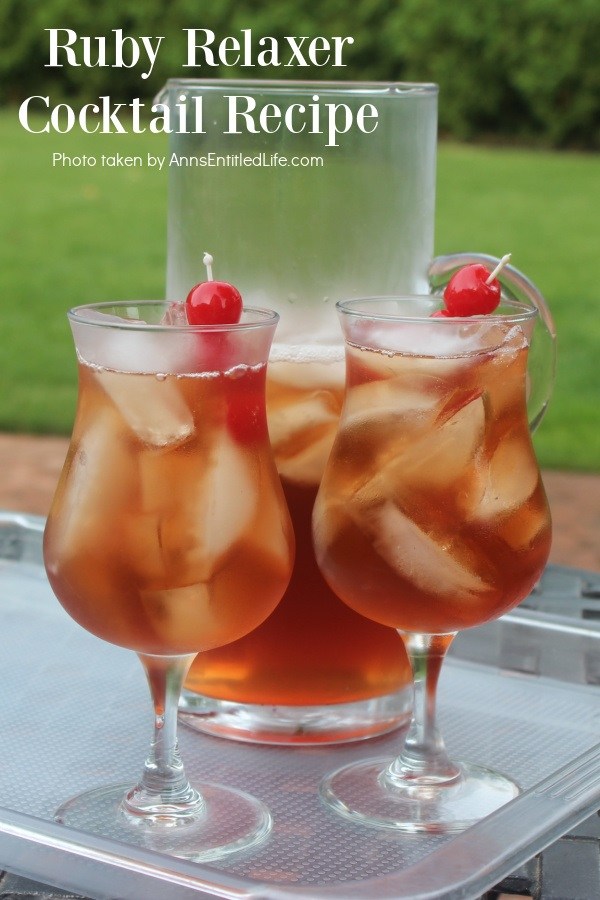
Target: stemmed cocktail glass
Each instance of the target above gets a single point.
(169, 535)
(431, 518)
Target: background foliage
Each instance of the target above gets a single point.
(518, 72)
(79, 235)
(526, 70)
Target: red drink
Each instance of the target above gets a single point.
(158, 534)
(432, 516)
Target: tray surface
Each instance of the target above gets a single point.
(76, 714)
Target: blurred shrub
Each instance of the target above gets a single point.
(525, 70)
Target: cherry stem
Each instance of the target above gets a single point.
(505, 259)
(208, 261)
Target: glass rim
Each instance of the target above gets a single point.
(522, 312)
(281, 85)
(77, 314)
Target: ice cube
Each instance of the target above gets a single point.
(175, 314)
(98, 480)
(302, 434)
(153, 408)
(306, 466)
(447, 451)
(228, 497)
(446, 348)
(130, 348)
(296, 421)
(415, 555)
(521, 530)
(272, 528)
(508, 480)
(504, 377)
(199, 505)
(181, 617)
(444, 338)
(247, 589)
(166, 476)
(310, 366)
(328, 518)
(380, 418)
(386, 365)
(142, 548)
(418, 397)
(208, 614)
(436, 455)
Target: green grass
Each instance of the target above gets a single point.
(74, 235)
(543, 207)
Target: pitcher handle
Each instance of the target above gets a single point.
(515, 285)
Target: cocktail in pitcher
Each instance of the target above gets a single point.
(299, 224)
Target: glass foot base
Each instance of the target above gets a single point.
(326, 724)
(229, 821)
(361, 792)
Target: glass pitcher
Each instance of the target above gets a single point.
(300, 207)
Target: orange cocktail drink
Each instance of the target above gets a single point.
(145, 556)
(169, 534)
(433, 516)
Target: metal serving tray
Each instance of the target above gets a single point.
(75, 713)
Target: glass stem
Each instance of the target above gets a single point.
(163, 787)
(424, 759)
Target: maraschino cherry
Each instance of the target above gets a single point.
(213, 302)
(472, 291)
